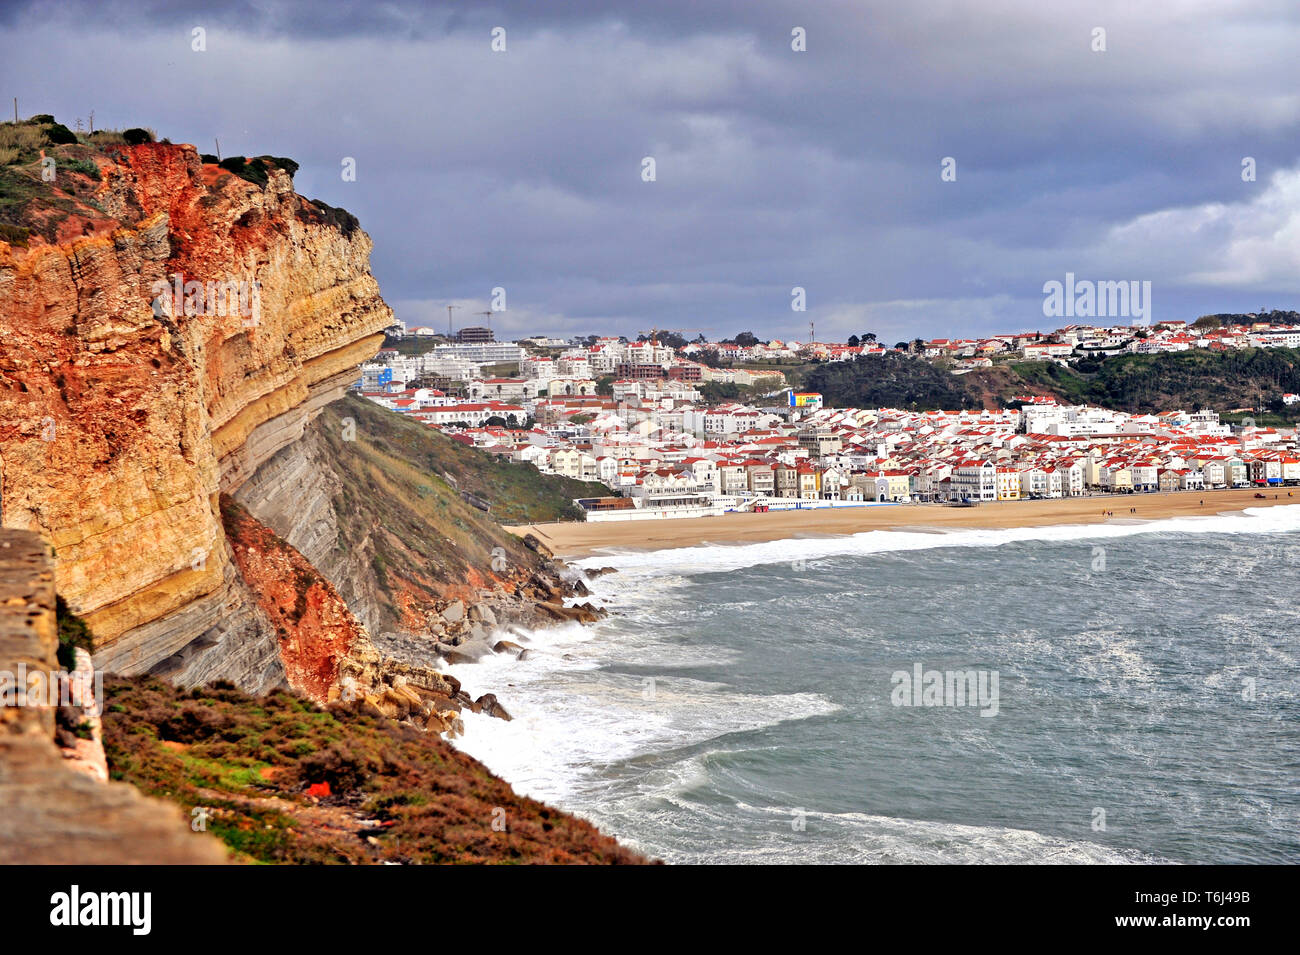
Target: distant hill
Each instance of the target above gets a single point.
(1133, 383)
(892, 380)
(1174, 380)
(1273, 317)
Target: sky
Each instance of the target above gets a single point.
(775, 168)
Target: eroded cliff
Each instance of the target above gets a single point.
(126, 408)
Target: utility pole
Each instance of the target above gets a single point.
(15, 110)
(449, 308)
(218, 142)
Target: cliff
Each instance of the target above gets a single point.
(373, 500)
(172, 335)
(126, 410)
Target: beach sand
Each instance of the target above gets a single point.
(581, 539)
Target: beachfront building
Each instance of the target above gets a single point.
(1033, 482)
(975, 482)
(1008, 484)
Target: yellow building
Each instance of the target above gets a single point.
(1008, 483)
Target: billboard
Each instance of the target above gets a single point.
(810, 400)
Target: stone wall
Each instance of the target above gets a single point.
(49, 813)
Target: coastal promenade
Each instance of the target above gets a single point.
(581, 539)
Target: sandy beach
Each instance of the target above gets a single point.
(580, 539)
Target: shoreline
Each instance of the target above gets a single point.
(575, 540)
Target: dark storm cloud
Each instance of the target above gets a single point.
(774, 168)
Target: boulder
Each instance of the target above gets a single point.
(536, 546)
(445, 722)
(488, 703)
(374, 706)
(454, 612)
(582, 613)
(453, 656)
(505, 646)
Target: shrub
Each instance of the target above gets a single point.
(209, 158)
(341, 219)
(60, 135)
(14, 234)
(84, 166)
(340, 765)
(253, 171)
(41, 119)
(135, 136)
(73, 632)
(288, 165)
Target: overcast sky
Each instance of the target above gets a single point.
(774, 168)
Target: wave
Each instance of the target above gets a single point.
(712, 558)
(569, 728)
(858, 838)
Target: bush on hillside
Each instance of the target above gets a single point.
(60, 135)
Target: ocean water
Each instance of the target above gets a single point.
(739, 704)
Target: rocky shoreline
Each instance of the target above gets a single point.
(398, 675)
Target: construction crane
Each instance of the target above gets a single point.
(488, 313)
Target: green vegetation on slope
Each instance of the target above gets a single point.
(1174, 380)
(1170, 381)
(281, 781)
(404, 512)
(517, 493)
(891, 380)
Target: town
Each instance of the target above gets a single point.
(631, 416)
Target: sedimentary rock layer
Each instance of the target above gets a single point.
(125, 411)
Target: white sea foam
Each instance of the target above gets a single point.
(710, 558)
(570, 722)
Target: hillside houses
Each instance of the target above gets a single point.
(662, 447)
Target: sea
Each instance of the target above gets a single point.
(1118, 693)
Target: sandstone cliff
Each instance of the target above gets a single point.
(124, 413)
(172, 335)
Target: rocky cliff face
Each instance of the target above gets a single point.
(125, 411)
